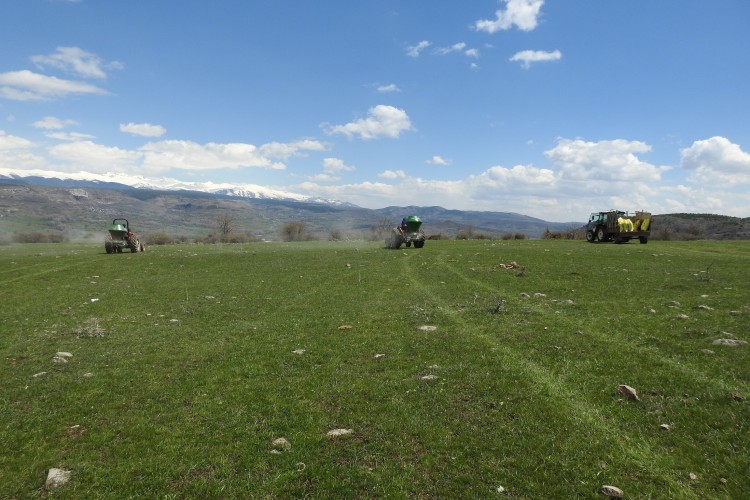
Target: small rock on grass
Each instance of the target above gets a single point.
(611, 491)
(430, 377)
(298, 351)
(281, 444)
(333, 433)
(345, 327)
(628, 392)
(729, 342)
(57, 478)
(427, 328)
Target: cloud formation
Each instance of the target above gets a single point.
(716, 161)
(382, 121)
(526, 57)
(523, 14)
(417, 49)
(26, 85)
(77, 61)
(143, 129)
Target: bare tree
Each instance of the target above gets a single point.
(225, 224)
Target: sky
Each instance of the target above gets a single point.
(548, 108)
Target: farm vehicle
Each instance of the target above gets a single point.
(406, 233)
(120, 237)
(618, 226)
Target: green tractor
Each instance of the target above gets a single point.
(407, 233)
(120, 237)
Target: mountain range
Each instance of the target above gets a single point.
(82, 206)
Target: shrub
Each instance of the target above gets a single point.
(40, 237)
(296, 231)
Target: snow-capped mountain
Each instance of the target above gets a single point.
(122, 181)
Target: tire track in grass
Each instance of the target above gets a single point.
(637, 451)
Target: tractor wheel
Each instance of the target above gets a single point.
(601, 235)
(590, 236)
(108, 247)
(134, 244)
(143, 247)
(418, 243)
(408, 244)
(643, 239)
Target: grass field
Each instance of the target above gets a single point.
(183, 370)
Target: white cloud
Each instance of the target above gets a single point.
(25, 85)
(438, 160)
(392, 87)
(392, 174)
(522, 13)
(526, 57)
(143, 129)
(284, 151)
(456, 47)
(188, 155)
(335, 165)
(383, 121)
(614, 160)
(52, 123)
(415, 50)
(95, 157)
(8, 142)
(716, 161)
(69, 136)
(471, 53)
(77, 61)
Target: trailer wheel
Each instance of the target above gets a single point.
(601, 235)
(418, 243)
(643, 239)
(590, 236)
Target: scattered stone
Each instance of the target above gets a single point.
(430, 377)
(666, 427)
(652, 311)
(682, 316)
(525, 295)
(333, 433)
(674, 304)
(729, 342)
(38, 374)
(379, 356)
(88, 375)
(500, 489)
(707, 351)
(62, 354)
(57, 478)
(723, 480)
(628, 392)
(693, 476)
(736, 396)
(346, 327)
(703, 307)
(611, 491)
(298, 351)
(735, 313)
(281, 444)
(539, 295)
(58, 359)
(94, 300)
(427, 328)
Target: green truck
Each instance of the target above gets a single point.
(618, 226)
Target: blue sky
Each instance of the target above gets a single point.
(548, 108)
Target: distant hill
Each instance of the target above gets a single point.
(84, 210)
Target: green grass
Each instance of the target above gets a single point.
(193, 375)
